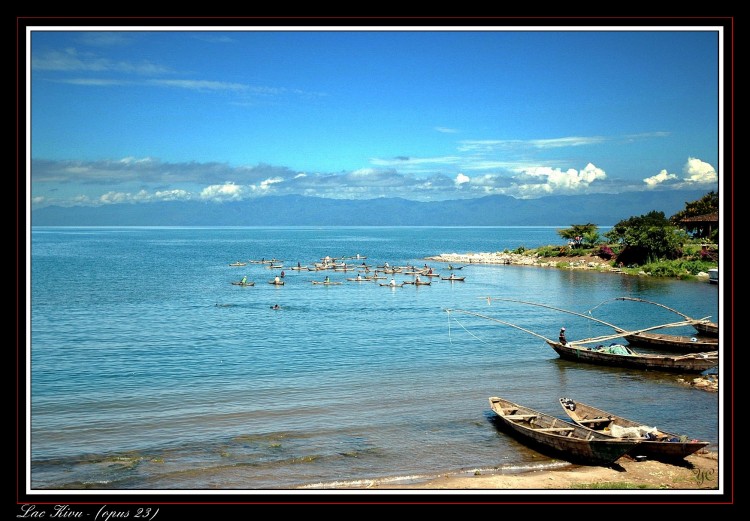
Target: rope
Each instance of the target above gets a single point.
(462, 327)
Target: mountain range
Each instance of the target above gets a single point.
(295, 210)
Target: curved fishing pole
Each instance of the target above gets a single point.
(619, 330)
(635, 299)
(556, 309)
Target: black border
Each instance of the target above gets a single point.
(184, 505)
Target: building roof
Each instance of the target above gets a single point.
(705, 218)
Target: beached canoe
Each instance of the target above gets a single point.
(554, 436)
(655, 443)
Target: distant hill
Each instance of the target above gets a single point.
(294, 210)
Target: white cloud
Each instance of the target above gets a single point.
(659, 178)
(697, 171)
(461, 179)
(446, 130)
(225, 192)
(265, 185)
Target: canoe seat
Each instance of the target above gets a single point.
(520, 416)
(556, 429)
(594, 420)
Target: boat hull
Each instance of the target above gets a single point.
(673, 342)
(689, 363)
(666, 447)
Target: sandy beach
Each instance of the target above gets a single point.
(698, 472)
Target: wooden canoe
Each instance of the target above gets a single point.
(459, 279)
(623, 356)
(565, 440)
(655, 443)
(243, 283)
(392, 285)
(418, 282)
(238, 264)
(618, 355)
(673, 342)
(328, 283)
(707, 328)
(276, 283)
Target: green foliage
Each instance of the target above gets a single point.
(580, 234)
(553, 251)
(680, 268)
(651, 233)
(709, 203)
(520, 249)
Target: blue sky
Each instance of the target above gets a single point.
(427, 113)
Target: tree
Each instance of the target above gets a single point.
(580, 234)
(705, 206)
(647, 237)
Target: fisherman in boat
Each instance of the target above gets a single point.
(328, 279)
(359, 277)
(392, 282)
(563, 340)
(277, 280)
(417, 280)
(282, 274)
(244, 280)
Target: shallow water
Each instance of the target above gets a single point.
(150, 371)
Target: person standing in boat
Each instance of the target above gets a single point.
(563, 340)
(244, 280)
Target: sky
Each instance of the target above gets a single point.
(132, 115)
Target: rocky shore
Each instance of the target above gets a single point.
(583, 262)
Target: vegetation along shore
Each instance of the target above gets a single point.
(685, 246)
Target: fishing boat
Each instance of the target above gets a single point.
(707, 328)
(326, 282)
(643, 337)
(452, 278)
(276, 282)
(568, 441)
(418, 282)
(238, 263)
(673, 342)
(617, 355)
(389, 285)
(655, 443)
(240, 283)
(701, 325)
(361, 279)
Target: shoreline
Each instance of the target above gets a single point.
(583, 262)
(698, 472)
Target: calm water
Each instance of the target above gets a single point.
(150, 371)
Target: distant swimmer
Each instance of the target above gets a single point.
(275, 306)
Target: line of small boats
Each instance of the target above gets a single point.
(340, 264)
(591, 436)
